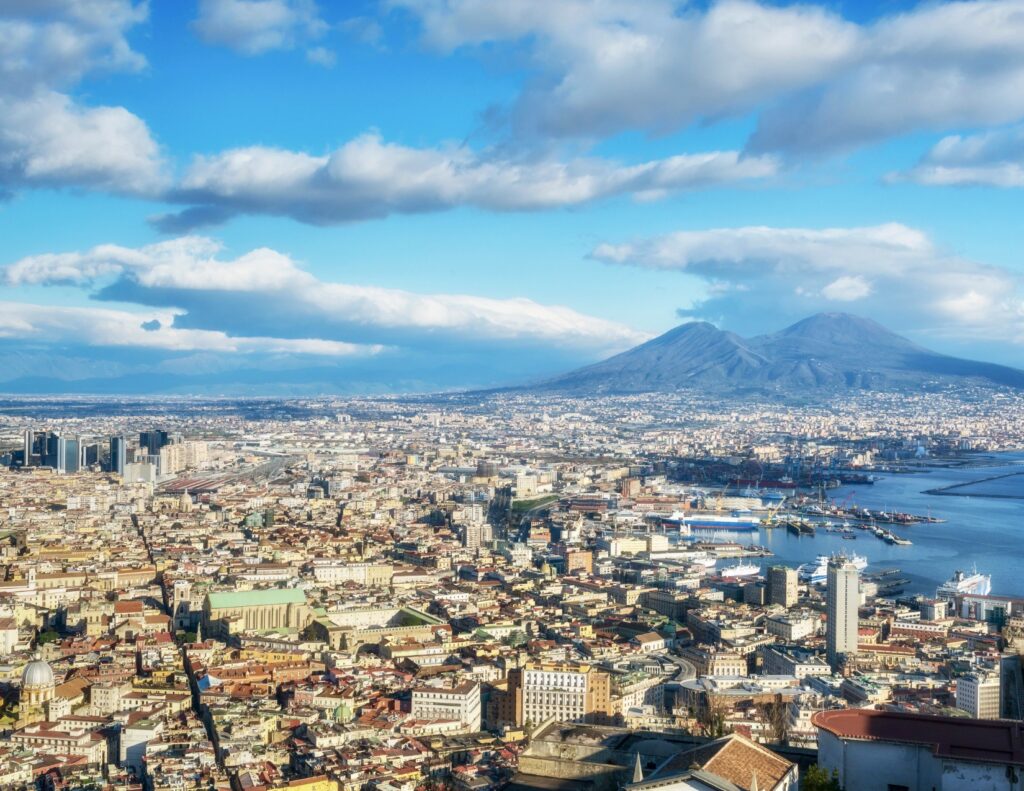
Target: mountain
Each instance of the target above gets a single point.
(825, 352)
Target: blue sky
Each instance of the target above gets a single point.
(414, 194)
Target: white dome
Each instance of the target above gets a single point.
(37, 673)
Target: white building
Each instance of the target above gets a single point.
(458, 704)
(791, 627)
(890, 751)
(842, 600)
(568, 692)
(978, 695)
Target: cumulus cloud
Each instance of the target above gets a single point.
(368, 177)
(611, 65)
(47, 139)
(822, 83)
(54, 43)
(155, 330)
(253, 27)
(992, 159)
(847, 288)
(264, 293)
(887, 271)
(936, 67)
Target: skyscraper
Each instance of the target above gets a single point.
(152, 441)
(118, 454)
(69, 455)
(29, 445)
(782, 586)
(50, 449)
(842, 602)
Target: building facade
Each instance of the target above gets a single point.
(842, 599)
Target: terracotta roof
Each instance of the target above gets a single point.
(989, 741)
(739, 760)
(735, 758)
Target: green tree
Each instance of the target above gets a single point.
(48, 636)
(818, 779)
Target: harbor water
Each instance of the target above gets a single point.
(982, 532)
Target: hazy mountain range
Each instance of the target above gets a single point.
(825, 352)
(829, 352)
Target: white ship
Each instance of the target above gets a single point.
(740, 570)
(817, 571)
(962, 583)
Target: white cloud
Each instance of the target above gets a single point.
(847, 288)
(613, 65)
(253, 27)
(368, 177)
(321, 56)
(889, 270)
(263, 292)
(47, 139)
(54, 43)
(994, 159)
(104, 327)
(933, 68)
(759, 250)
(821, 83)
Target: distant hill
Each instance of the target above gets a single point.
(825, 352)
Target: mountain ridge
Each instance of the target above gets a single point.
(823, 352)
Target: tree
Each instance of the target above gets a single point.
(774, 715)
(712, 716)
(48, 636)
(818, 779)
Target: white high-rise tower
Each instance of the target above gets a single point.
(842, 599)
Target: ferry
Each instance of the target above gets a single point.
(817, 571)
(740, 570)
(962, 583)
(737, 521)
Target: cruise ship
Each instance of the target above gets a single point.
(736, 521)
(962, 583)
(817, 571)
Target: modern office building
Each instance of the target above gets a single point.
(842, 599)
(28, 446)
(69, 457)
(979, 695)
(782, 582)
(118, 454)
(152, 441)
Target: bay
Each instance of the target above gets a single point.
(979, 532)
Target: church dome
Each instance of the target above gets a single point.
(37, 673)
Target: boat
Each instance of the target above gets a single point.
(818, 570)
(740, 570)
(962, 583)
(738, 520)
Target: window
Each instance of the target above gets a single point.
(897, 787)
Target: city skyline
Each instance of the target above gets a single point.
(425, 195)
